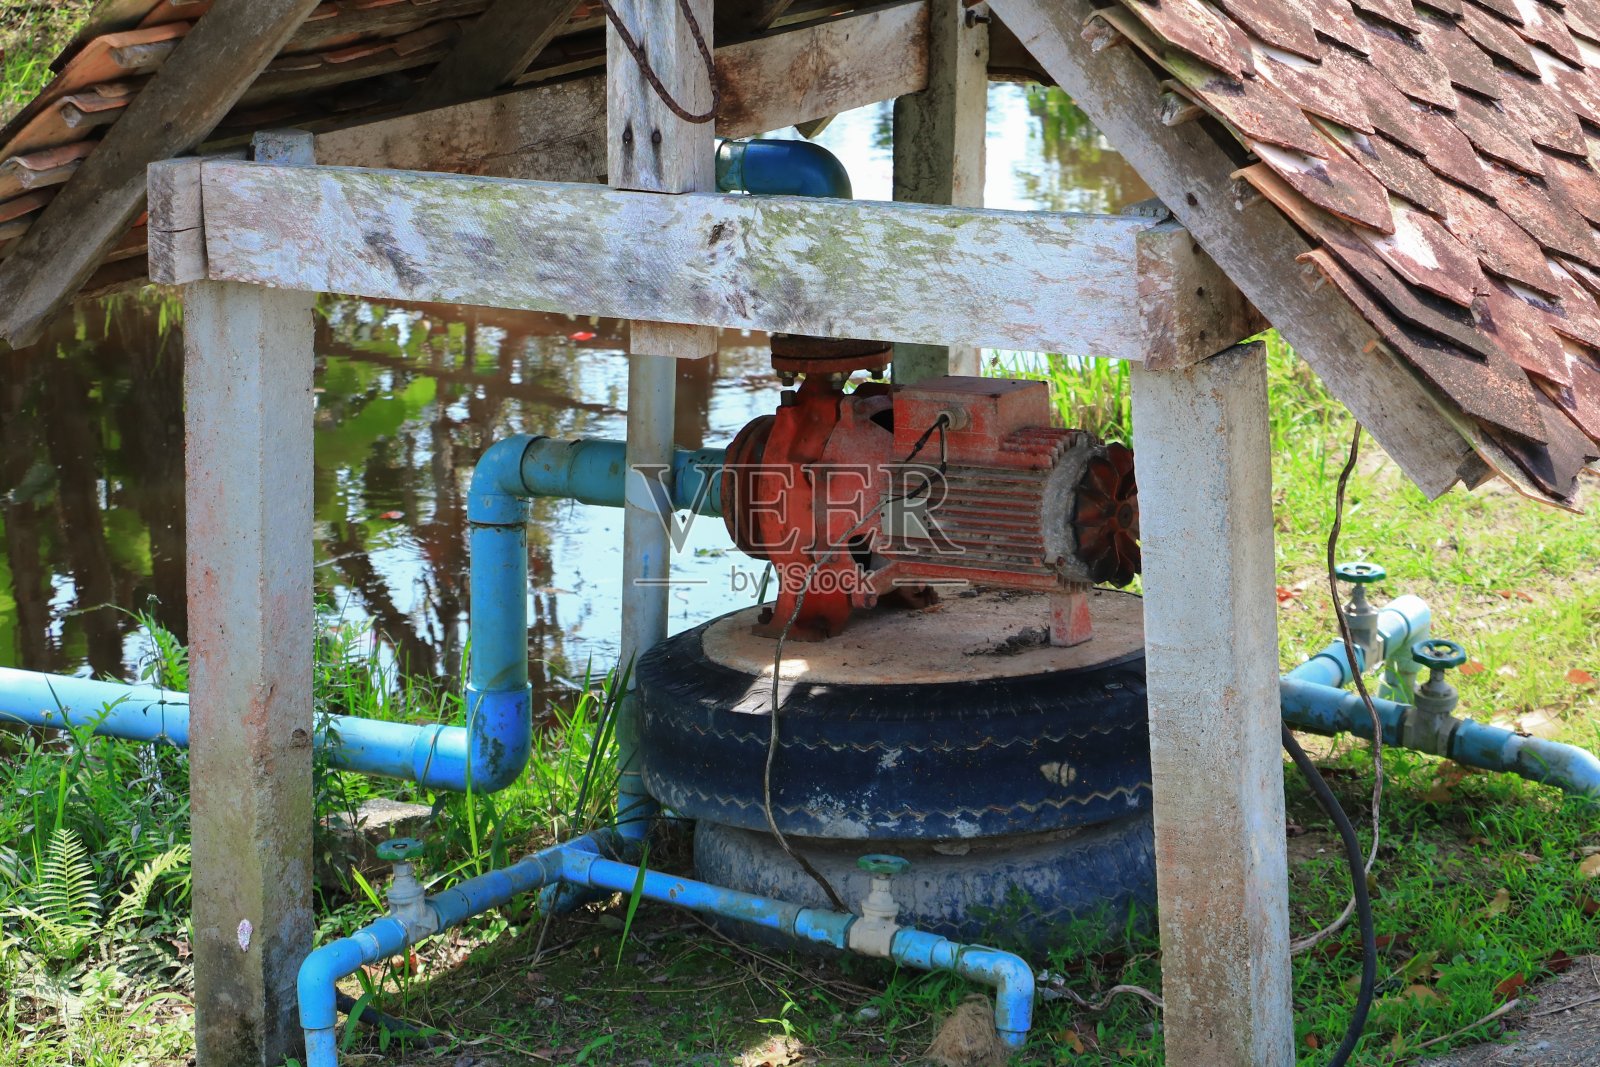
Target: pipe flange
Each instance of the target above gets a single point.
(798, 354)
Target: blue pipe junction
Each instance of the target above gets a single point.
(1313, 699)
(584, 863)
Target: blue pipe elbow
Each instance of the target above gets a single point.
(1008, 974)
(1331, 666)
(317, 986)
(770, 166)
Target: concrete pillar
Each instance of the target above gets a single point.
(248, 402)
(1211, 639)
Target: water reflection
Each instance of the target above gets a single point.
(91, 444)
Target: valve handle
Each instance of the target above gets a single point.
(1360, 573)
(399, 849)
(888, 866)
(1438, 653)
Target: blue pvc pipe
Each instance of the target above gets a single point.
(490, 751)
(584, 863)
(1323, 709)
(129, 712)
(778, 167)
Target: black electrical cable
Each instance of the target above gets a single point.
(1358, 879)
(395, 1028)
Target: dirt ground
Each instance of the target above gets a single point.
(1556, 1024)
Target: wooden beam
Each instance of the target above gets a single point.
(1031, 281)
(247, 392)
(1211, 663)
(939, 137)
(822, 69)
(739, 18)
(1192, 174)
(496, 47)
(180, 106)
(556, 132)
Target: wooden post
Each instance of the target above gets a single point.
(247, 391)
(648, 147)
(1211, 649)
(651, 148)
(939, 149)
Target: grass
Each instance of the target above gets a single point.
(32, 33)
(1479, 889)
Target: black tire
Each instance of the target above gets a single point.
(1077, 890)
(962, 759)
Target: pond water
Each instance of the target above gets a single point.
(91, 444)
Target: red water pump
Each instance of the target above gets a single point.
(886, 495)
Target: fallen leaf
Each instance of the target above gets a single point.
(1508, 988)
(1500, 904)
(1420, 992)
(1312, 1041)
(1506, 671)
(1473, 666)
(1590, 906)
(392, 515)
(1580, 677)
(1591, 866)
(1071, 1039)
(1439, 793)
(1285, 594)
(1558, 963)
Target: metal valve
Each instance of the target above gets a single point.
(1437, 696)
(1359, 614)
(408, 901)
(873, 933)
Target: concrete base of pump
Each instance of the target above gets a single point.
(1066, 889)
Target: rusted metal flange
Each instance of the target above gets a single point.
(798, 354)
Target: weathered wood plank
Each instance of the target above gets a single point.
(937, 275)
(496, 47)
(649, 146)
(822, 69)
(1191, 173)
(182, 104)
(1211, 652)
(939, 148)
(1192, 310)
(177, 249)
(556, 132)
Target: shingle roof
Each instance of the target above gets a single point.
(349, 58)
(1440, 156)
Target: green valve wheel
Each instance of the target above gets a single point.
(1360, 573)
(1438, 654)
(400, 849)
(888, 866)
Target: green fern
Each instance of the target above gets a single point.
(130, 908)
(62, 916)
